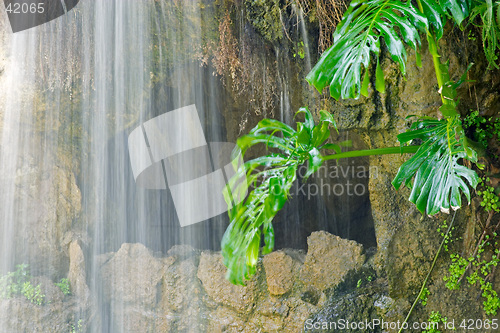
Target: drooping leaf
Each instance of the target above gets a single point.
(241, 241)
(358, 36)
(269, 179)
(379, 79)
(458, 9)
(438, 179)
(433, 12)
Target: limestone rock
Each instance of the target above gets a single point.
(181, 252)
(225, 320)
(279, 269)
(19, 315)
(50, 202)
(329, 259)
(132, 275)
(211, 272)
(180, 286)
(299, 313)
(76, 274)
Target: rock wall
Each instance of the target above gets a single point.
(187, 290)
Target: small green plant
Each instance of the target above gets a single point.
(424, 295)
(482, 129)
(78, 328)
(435, 320)
(11, 284)
(300, 51)
(456, 270)
(63, 284)
(489, 199)
(360, 282)
(32, 293)
(18, 283)
(481, 270)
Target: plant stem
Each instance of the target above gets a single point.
(434, 51)
(429, 273)
(370, 152)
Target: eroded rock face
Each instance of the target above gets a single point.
(56, 313)
(132, 276)
(212, 271)
(186, 291)
(77, 274)
(48, 201)
(279, 269)
(329, 259)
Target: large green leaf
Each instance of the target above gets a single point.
(458, 9)
(439, 179)
(433, 12)
(270, 177)
(241, 241)
(357, 36)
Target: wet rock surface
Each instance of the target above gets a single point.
(280, 269)
(212, 272)
(329, 259)
(185, 291)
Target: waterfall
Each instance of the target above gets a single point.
(72, 92)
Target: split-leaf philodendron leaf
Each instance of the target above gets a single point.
(271, 178)
(439, 179)
(357, 36)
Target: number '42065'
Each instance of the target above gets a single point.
(25, 8)
(479, 324)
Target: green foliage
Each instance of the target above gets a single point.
(272, 177)
(424, 295)
(357, 36)
(437, 11)
(482, 267)
(489, 199)
(482, 129)
(398, 23)
(18, 283)
(456, 270)
(300, 51)
(265, 16)
(12, 283)
(78, 328)
(435, 320)
(32, 293)
(439, 179)
(475, 123)
(63, 284)
(488, 12)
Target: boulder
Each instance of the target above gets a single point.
(211, 272)
(76, 274)
(279, 269)
(131, 276)
(329, 259)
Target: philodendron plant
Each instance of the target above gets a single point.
(435, 173)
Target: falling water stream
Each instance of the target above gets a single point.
(72, 91)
